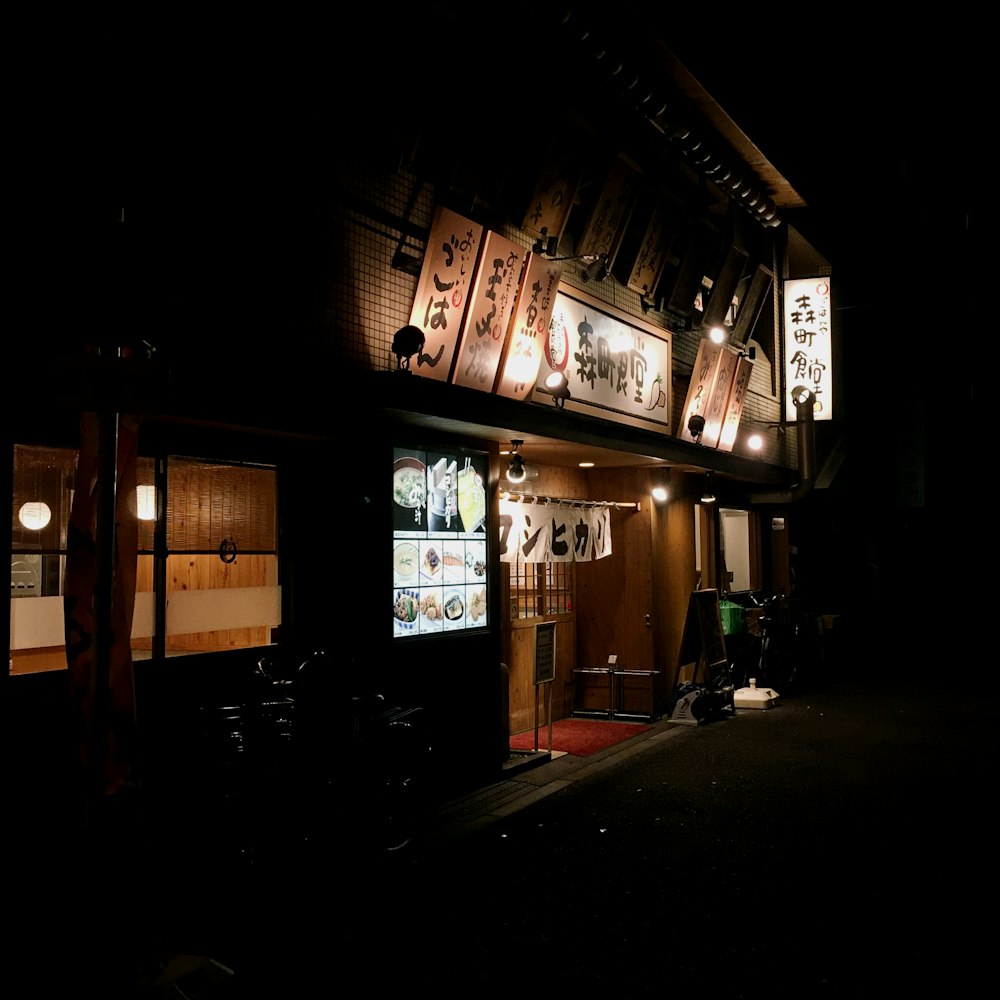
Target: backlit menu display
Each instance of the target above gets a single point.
(439, 541)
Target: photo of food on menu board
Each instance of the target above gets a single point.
(439, 543)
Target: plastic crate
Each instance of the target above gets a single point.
(732, 617)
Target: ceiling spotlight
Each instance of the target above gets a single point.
(407, 341)
(516, 472)
(708, 494)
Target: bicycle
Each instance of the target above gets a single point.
(361, 761)
(301, 766)
(781, 651)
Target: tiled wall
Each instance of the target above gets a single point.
(372, 298)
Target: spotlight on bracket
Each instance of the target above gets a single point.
(596, 270)
(407, 341)
(516, 472)
(557, 386)
(708, 493)
(696, 426)
(546, 244)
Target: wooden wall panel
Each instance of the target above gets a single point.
(614, 595)
(209, 572)
(522, 674)
(554, 482)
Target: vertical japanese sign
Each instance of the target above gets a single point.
(491, 303)
(734, 408)
(706, 366)
(808, 355)
(718, 398)
(611, 212)
(444, 290)
(555, 190)
(523, 349)
(651, 255)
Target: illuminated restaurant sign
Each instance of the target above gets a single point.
(523, 351)
(808, 357)
(734, 407)
(444, 290)
(604, 362)
(484, 330)
(703, 375)
(439, 541)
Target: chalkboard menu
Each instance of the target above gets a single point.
(545, 652)
(704, 642)
(439, 541)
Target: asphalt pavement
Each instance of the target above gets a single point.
(835, 844)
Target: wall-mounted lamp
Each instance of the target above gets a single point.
(596, 270)
(406, 342)
(557, 386)
(717, 334)
(748, 352)
(597, 263)
(145, 501)
(696, 426)
(708, 493)
(34, 515)
(755, 442)
(659, 493)
(516, 472)
(546, 244)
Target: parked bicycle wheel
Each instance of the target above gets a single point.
(394, 792)
(780, 657)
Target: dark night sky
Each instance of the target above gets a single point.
(866, 121)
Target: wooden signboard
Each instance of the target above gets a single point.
(491, 302)
(444, 290)
(706, 366)
(715, 411)
(528, 328)
(704, 642)
(545, 652)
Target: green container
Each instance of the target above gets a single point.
(732, 617)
